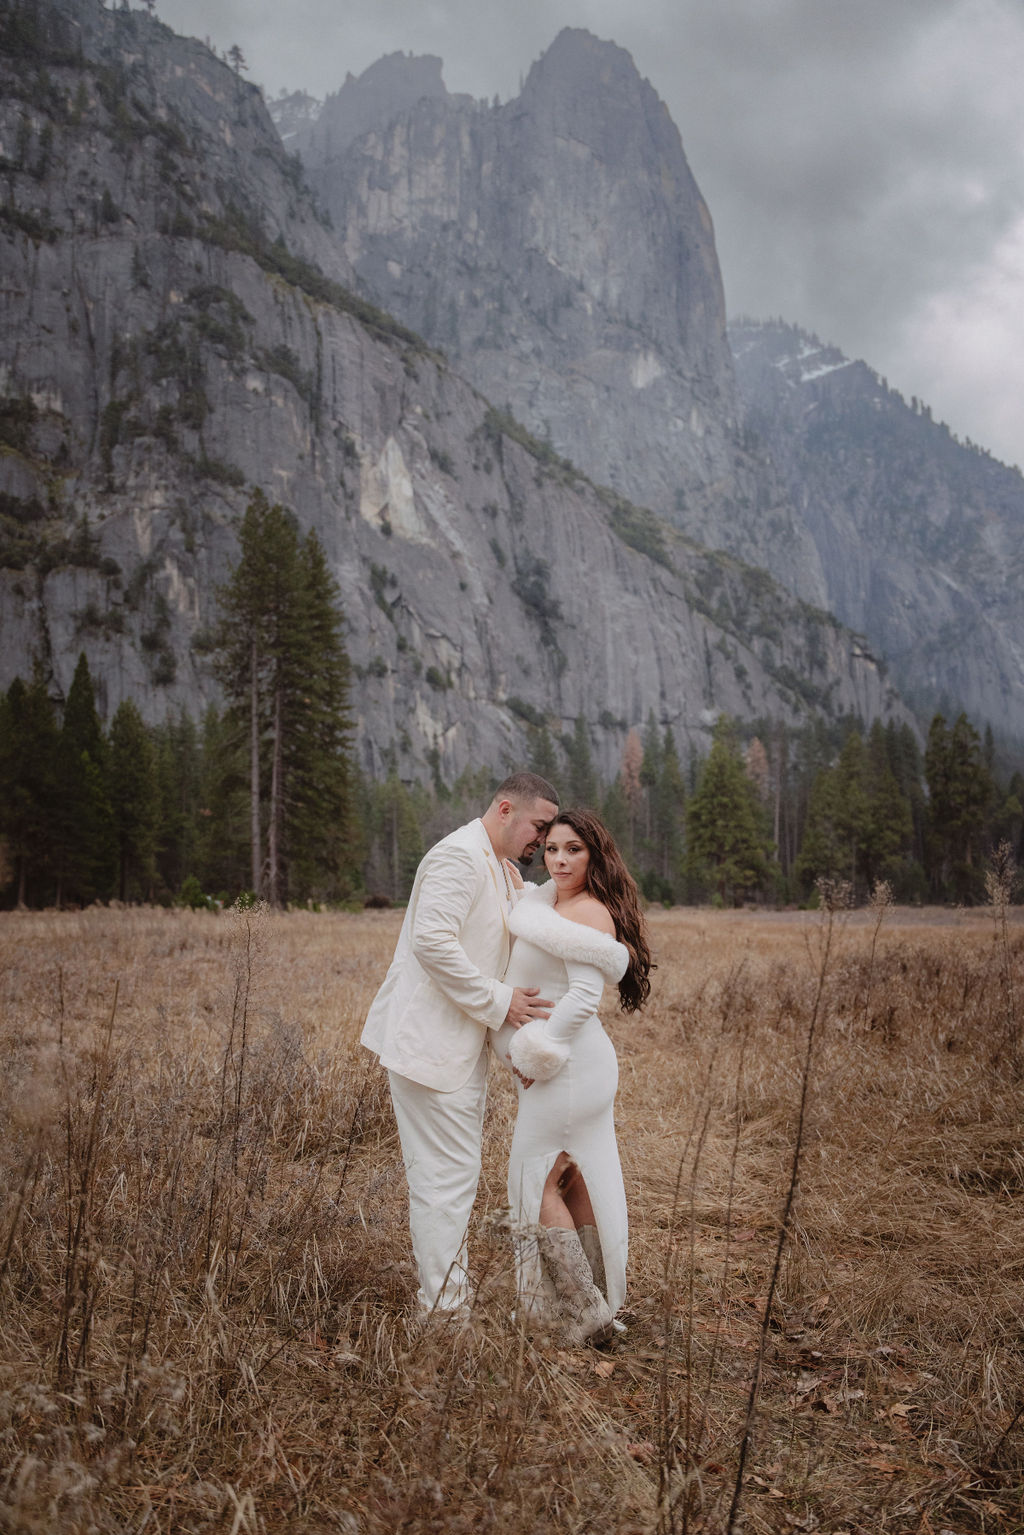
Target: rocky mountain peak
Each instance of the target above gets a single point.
(576, 60)
(627, 219)
(558, 248)
(591, 88)
(391, 86)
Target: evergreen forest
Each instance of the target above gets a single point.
(262, 798)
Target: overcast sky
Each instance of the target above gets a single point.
(863, 160)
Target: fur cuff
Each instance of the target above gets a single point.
(535, 1054)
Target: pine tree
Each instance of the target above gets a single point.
(778, 769)
(285, 670)
(176, 743)
(135, 801)
(905, 762)
(616, 814)
(852, 806)
(397, 835)
(650, 771)
(632, 793)
(960, 795)
(29, 786)
(727, 839)
(258, 606)
(758, 770)
(1012, 826)
(815, 748)
(324, 851)
(889, 831)
(670, 816)
(823, 848)
(543, 758)
(222, 828)
(858, 824)
(581, 779)
(86, 853)
(284, 677)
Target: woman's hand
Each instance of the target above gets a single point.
(514, 875)
(526, 1081)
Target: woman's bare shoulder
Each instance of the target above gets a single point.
(590, 912)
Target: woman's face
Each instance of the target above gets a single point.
(566, 858)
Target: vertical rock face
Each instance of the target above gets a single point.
(177, 331)
(559, 249)
(920, 537)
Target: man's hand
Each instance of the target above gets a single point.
(525, 1005)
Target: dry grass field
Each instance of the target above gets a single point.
(204, 1267)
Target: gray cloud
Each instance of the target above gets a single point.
(863, 159)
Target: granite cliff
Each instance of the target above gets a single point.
(180, 326)
(920, 537)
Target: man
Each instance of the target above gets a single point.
(429, 1022)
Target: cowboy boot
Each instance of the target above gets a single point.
(595, 1256)
(583, 1312)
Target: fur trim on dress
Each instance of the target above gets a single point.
(534, 1054)
(535, 919)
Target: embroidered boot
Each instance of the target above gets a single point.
(583, 1312)
(595, 1256)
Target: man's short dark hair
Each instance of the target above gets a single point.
(520, 786)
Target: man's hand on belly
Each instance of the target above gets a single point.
(526, 1005)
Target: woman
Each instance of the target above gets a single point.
(565, 1181)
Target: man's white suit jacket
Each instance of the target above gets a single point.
(429, 1020)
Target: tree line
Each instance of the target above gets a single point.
(771, 810)
(263, 796)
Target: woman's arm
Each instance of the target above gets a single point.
(540, 1049)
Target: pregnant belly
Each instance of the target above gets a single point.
(500, 1042)
(589, 1044)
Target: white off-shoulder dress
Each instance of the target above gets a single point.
(570, 1106)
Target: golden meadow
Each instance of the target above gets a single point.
(205, 1276)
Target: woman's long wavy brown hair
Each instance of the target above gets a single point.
(611, 882)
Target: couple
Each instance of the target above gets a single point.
(481, 960)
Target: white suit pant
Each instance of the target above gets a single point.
(440, 1135)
